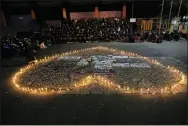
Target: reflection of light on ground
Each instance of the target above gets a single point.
(102, 81)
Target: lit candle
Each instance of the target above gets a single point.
(147, 91)
(141, 90)
(166, 89)
(161, 91)
(153, 93)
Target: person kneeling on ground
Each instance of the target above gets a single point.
(42, 46)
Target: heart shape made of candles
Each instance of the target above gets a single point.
(99, 67)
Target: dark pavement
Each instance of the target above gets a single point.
(19, 108)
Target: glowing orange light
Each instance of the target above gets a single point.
(106, 82)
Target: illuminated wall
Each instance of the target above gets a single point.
(102, 14)
(108, 14)
(80, 15)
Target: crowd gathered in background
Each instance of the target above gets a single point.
(78, 31)
(90, 30)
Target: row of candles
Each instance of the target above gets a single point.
(102, 81)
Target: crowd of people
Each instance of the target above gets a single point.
(23, 45)
(105, 30)
(78, 31)
(89, 30)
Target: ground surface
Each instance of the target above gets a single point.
(19, 108)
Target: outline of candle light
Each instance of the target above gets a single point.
(105, 81)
